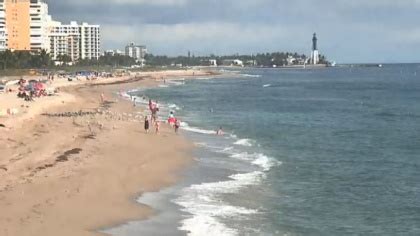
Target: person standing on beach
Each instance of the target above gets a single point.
(146, 124)
(177, 125)
(157, 126)
(150, 105)
(134, 102)
(102, 97)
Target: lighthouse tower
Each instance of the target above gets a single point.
(315, 52)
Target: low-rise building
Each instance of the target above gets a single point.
(233, 62)
(115, 52)
(137, 52)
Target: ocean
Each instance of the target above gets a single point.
(332, 151)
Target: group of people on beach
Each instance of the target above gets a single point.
(153, 120)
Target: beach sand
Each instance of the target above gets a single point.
(76, 174)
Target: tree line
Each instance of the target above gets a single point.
(261, 59)
(31, 60)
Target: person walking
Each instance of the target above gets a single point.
(146, 124)
(157, 126)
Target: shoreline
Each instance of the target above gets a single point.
(91, 170)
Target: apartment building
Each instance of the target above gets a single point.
(39, 20)
(3, 32)
(64, 40)
(77, 41)
(137, 52)
(18, 24)
(90, 41)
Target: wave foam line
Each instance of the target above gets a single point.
(203, 203)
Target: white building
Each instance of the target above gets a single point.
(3, 31)
(39, 25)
(76, 41)
(136, 51)
(213, 62)
(64, 40)
(90, 41)
(115, 52)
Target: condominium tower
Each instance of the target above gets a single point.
(3, 34)
(77, 41)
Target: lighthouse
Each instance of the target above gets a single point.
(315, 52)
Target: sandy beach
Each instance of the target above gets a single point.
(70, 165)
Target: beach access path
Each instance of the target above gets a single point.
(70, 165)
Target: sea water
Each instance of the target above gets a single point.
(332, 151)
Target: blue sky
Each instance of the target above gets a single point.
(348, 30)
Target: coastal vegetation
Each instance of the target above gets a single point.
(261, 59)
(10, 60)
(20, 62)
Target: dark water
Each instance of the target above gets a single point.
(307, 152)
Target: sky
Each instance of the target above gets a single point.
(349, 31)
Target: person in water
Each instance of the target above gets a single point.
(146, 124)
(219, 132)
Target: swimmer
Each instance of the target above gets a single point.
(220, 131)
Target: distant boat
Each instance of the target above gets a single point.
(380, 65)
(266, 85)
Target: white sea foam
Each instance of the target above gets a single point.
(234, 136)
(205, 225)
(218, 149)
(258, 159)
(204, 204)
(174, 106)
(244, 142)
(251, 76)
(204, 78)
(265, 162)
(186, 127)
(244, 156)
(177, 82)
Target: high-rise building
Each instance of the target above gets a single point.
(74, 40)
(26, 24)
(39, 21)
(64, 40)
(315, 52)
(90, 41)
(137, 52)
(3, 32)
(18, 24)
